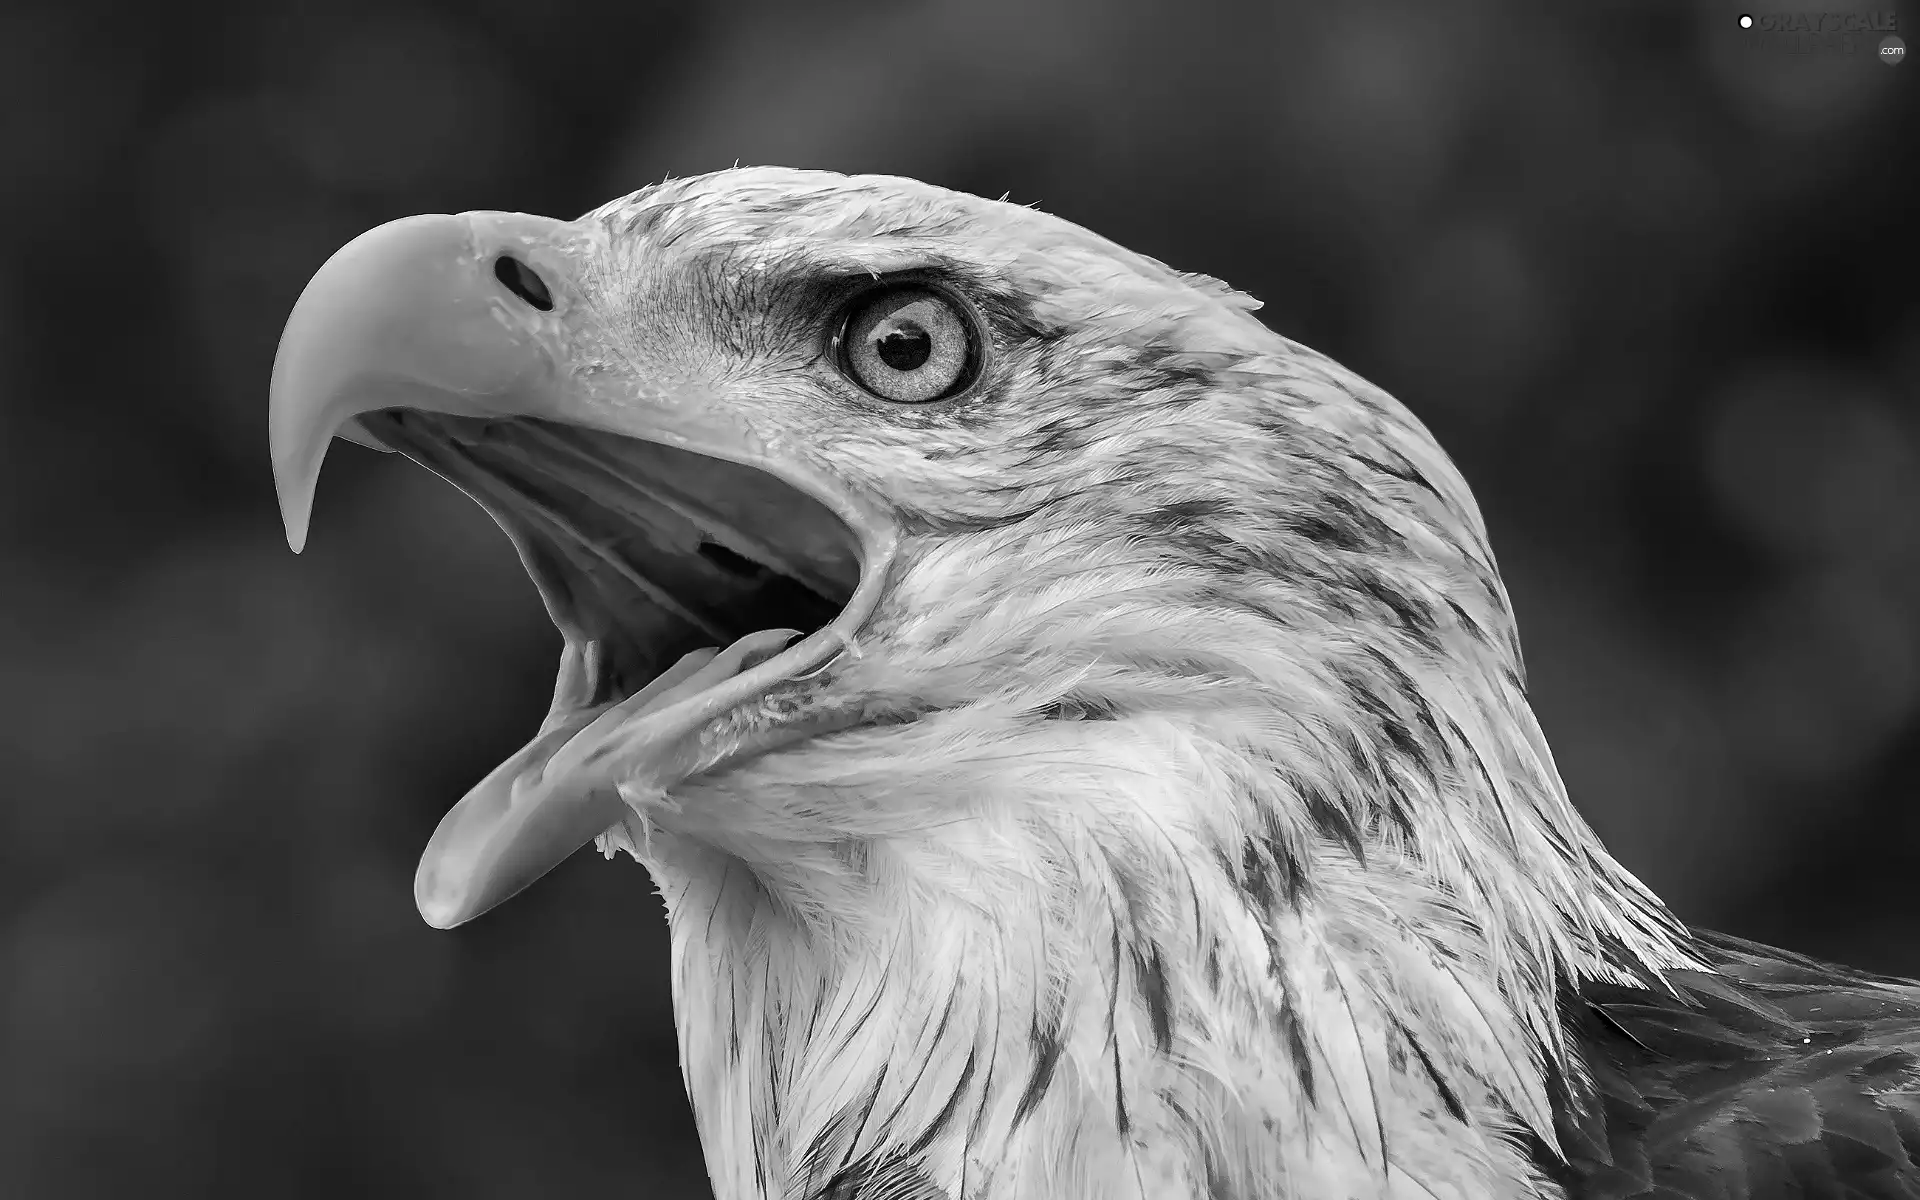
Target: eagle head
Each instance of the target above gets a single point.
(1079, 733)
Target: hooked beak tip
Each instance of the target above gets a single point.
(296, 529)
(294, 489)
(407, 314)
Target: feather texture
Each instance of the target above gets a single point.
(1768, 1074)
(1193, 836)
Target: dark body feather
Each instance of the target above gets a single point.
(1780, 1076)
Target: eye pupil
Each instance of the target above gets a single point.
(908, 343)
(906, 347)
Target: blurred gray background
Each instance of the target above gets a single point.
(1650, 279)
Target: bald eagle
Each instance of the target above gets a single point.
(1079, 735)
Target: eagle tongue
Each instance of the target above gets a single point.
(593, 742)
(557, 793)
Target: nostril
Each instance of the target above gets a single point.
(519, 278)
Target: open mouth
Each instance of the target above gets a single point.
(641, 552)
(658, 523)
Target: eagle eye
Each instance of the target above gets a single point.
(908, 343)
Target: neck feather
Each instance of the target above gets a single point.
(1234, 923)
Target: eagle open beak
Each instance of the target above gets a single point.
(654, 518)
